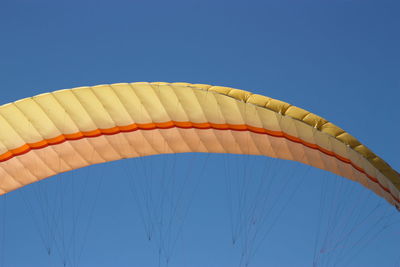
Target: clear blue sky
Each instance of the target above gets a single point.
(339, 59)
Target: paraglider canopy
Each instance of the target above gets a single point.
(72, 128)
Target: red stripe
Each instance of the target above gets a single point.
(183, 125)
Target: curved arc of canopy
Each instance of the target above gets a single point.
(73, 128)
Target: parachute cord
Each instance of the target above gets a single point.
(29, 208)
(260, 200)
(192, 195)
(346, 233)
(329, 214)
(279, 215)
(281, 193)
(57, 224)
(241, 227)
(76, 215)
(354, 228)
(42, 212)
(159, 206)
(336, 247)
(263, 199)
(3, 231)
(144, 195)
(174, 204)
(319, 220)
(245, 206)
(148, 203)
(77, 207)
(44, 208)
(228, 188)
(331, 211)
(364, 241)
(62, 209)
(253, 208)
(49, 217)
(74, 222)
(135, 193)
(343, 248)
(90, 219)
(332, 215)
(245, 181)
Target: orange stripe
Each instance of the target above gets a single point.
(184, 125)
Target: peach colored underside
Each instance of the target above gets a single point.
(73, 154)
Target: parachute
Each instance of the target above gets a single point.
(68, 129)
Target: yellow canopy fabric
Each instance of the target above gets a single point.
(72, 128)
